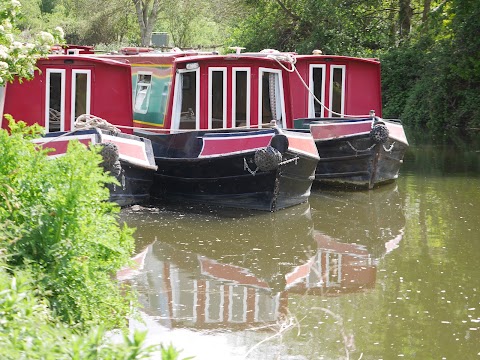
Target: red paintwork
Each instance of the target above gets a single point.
(396, 132)
(112, 84)
(327, 131)
(59, 146)
(132, 149)
(302, 144)
(222, 145)
(111, 91)
(362, 83)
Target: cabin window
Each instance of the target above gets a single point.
(142, 92)
(217, 94)
(186, 100)
(214, 301)
(317, 88)
(237, 310)
(270, 102)
(337, 90)
(81, 90)
(164, 98)
(241, 97)
(55, 100)
(333, 263)
(184, 294)
(266, 306)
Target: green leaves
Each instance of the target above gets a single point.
(61, 226)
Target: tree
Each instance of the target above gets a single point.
(17, 57)
(147, 15)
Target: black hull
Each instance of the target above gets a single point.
(358, 162)
(226, 181)
(135, 184)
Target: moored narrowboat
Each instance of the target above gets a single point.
(65, 89)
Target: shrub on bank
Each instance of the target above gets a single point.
(60, 247)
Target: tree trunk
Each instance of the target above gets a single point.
(405, 18)
(426, 10)
(147, 15)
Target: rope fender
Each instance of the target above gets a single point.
(110, 155)
(379, 133)
(267, 158)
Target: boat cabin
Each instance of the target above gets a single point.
(67, 86)
(180, 90)
(208, 91)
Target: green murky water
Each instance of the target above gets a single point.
(386, 274)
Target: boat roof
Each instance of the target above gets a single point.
(86, 58)
(272, 56)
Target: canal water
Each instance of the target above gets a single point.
(385, 274)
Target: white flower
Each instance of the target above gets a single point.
(9, 38)
(3, 65)
(4, 52)
(2, 29)
(60, 32)
(46, 38)
(16, 45)
(28, 47)
(7, 24)
(16, 4)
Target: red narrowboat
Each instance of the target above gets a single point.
(64, 89)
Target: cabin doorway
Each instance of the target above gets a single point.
(186, 100)
(55, 100)
(317, 90)
(271, 104)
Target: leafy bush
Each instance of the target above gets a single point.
(62, 228)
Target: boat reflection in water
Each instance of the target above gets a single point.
(206, 271)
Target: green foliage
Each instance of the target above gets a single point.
(28, 330)
(170, 353)
(67, 231)
(17, 58)
(111, 22)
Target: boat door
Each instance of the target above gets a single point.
(68, 94)
(186, 100)
(271, 100)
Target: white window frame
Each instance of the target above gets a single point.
(62, 72)
(149, 89)
(74, 93)
(221, 292)
(224, 93)
(242, 301)
(311, 102)
(177, 99)
(261, 71)
(234, 95)
(332, 68)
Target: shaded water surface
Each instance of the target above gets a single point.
(384, 274)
